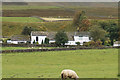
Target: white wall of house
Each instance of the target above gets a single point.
(116, 44)
(15, 42)
(81, 39)
(71, 43)
(52, 41)
(40, 38)
(1, 41)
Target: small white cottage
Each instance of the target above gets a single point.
(38, 36)
(79, 37)
(18, 39)
(117, 43)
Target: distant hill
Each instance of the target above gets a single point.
(64, 4)
(15, 3)
(63, 9)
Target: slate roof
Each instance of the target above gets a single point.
(39, 33)
(117, 42)
(82, 34)
(20, 38)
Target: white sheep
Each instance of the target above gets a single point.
(67, 73)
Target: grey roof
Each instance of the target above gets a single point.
(117, 42)
(51, 35)
(20, 38)
(82, 33)
(39, 33)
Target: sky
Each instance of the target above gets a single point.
(60, 0)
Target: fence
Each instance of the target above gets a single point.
(56, 49)
(28, 45)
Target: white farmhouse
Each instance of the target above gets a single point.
(17, 39)
(79, 37)
(38, 36)
(117, 43)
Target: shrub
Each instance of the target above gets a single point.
(87, 44)
(34, 42)
(46, 41)
(37, 42)
(78, 43)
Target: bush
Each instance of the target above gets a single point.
(97, 43)
(87, 44)
(46, 41)
(78, 43)
(34, 42)
(37, 42)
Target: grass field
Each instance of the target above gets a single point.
(16, 48)
(94, 63)
(15, 28)
(20, 19)
(25, 7)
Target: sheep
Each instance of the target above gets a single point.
(67, 73)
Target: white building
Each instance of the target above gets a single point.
(117, 43)
(39, 36)
(17, 39)
(79, 37)
(1, 41)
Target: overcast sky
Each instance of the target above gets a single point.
(60, 0)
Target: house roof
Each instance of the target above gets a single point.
(39, 33)
(82, 33)
(20, 38)
(117, 42)
(51, 35)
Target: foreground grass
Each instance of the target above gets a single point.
(20, 19)
(94, 63)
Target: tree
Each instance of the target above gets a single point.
(112, 28)
(46, 41)
(80, 21)
(97, 33)
(104, 24)
(27, 30)
(61, 38)
(113, 33)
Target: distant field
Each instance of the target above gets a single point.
(94, 63)
(25, 7)
(57, 19)
(20, 19)
(54, 11)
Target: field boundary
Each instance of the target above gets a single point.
(55, 49)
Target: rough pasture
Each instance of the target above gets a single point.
(93, 63)
(20, 19)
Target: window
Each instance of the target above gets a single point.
(80, 36)
(36, 38)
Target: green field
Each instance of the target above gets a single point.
(16, 48)
(94, 63)
(15, 28)
(25, 7)
(20, 19)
